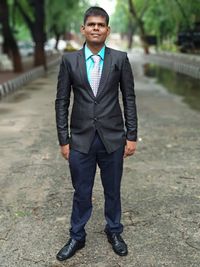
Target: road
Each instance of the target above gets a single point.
(160, 186)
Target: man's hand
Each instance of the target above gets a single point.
(65, 151)
(129, 148)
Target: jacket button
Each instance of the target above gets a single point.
(95, 102)
(95, 119)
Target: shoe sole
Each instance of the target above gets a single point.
(63, 259)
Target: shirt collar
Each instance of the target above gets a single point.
(88, 52)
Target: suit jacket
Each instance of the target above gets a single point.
(101, 113)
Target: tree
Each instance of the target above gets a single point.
(10, 44)
(35, 22)
(128, 17)
(121, 19)
(139, 22)
(64, 17)
(162, 18)
(165, 18)
(124, 22)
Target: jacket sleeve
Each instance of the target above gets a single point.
(128, 97)
(62, 102)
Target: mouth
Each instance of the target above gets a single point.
(95, 35)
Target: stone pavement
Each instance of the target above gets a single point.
(160, 186)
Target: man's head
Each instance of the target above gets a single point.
(95, 27)
(96, 12)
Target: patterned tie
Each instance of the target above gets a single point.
(95, 74)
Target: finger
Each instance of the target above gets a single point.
(131, 151)
(65, 156)
(129, 154)
(126, 154)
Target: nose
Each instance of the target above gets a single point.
(96, 27)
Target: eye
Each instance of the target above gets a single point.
(91, 24)
(101, 25)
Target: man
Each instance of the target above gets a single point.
(97, 134)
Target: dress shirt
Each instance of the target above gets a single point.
(89, 61)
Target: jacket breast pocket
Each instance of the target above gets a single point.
(114, 68)
(114, 76)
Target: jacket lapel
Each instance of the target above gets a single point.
(83, 72)
(105, 71)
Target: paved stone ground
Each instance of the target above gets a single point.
(160, 187)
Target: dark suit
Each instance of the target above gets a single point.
(97, 131)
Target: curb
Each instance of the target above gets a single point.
(12, 85)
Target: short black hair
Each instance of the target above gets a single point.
(96, 11)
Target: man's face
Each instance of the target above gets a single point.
(95, 30)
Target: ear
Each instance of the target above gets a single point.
(108, 31)
(82, 29)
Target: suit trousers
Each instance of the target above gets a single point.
(83, 169)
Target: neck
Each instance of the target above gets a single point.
(95, 48)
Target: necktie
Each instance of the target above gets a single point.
(95, 74)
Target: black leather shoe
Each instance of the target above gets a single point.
(118, 244)
(69, 249)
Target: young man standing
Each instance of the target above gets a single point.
(97, 135)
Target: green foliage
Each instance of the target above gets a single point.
(22, 33)
(163, 18)
(120, 19)
(17, 23)
(64, 15)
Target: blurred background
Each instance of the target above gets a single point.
(161, 188)
(33, 31)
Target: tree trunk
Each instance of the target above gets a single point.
(57, 41)
(57, 35)
(130, 34)
(36, 28)
(141, 27)
(10, 44)
(39, 33)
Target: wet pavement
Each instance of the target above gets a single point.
(160, 186)
(176, 83)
